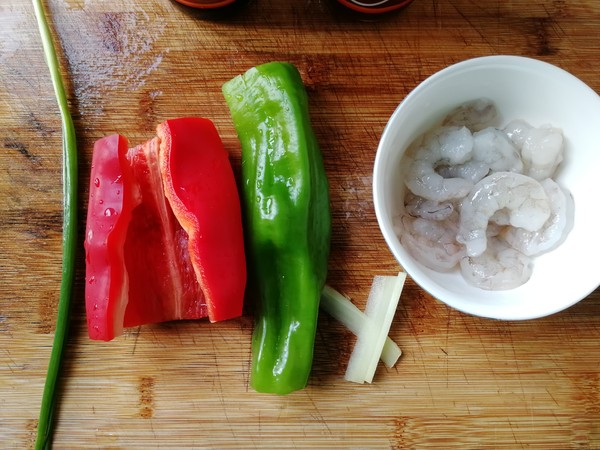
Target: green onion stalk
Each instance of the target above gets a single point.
(69, 179)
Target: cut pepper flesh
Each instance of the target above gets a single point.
(162, 283)
(111, 202)
(164, 236)
(201, 188)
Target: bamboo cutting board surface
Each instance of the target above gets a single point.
(462, 382)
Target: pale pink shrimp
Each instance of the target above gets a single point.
(542, 152)
(482, 197)
(427, 209)
(499, 267)
(521, 197)
(431, 242)
(517, 131)
(444, 146)
(493, 151)
(475, 115)
(553, 232)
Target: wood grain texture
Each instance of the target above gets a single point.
(462, 382)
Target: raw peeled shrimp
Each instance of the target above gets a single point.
(493, 151)
(494, 148)
(445, 146)
(499, 267)
(472, 171)
(541, 148)
(542, 152)
(432, 243)
(482, 197)
(475, 115)
(517, 130)
(521, 197)
(424, 181)
(427, 209)
(555, 229)
(451, 145)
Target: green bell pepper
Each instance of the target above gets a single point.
(285, 196)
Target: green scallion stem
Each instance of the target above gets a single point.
(69, 178)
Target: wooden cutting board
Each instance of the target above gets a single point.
(462, 382)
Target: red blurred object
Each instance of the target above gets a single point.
(206, 4)
(375, 6)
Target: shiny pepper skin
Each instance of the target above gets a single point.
(285, 196)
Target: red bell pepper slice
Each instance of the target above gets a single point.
(162, 283)
(111, 202)
(148, 261)
(200, 185)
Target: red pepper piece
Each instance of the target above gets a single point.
(162, 282)
(111, 202)
(164, 235)
(138, 265)
(201, 189)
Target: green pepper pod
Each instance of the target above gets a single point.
(285, 196)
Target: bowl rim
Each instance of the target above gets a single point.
(378, 169)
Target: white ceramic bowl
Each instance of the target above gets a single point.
(521, 88)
